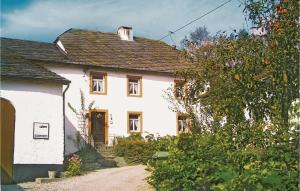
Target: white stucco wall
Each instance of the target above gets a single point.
(36, 102)
(157, 117)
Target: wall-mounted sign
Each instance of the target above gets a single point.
(40, 130)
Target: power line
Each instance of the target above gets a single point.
(172, 32)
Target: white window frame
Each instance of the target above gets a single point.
(99, 88)
(134, 122)
(134, 85)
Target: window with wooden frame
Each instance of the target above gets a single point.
(182, 123)
(178, 88)
(134, 86)
(98, 83)
(135, 122)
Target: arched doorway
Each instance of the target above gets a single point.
(7, 131)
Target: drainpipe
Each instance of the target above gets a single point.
(64, 116)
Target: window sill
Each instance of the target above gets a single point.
(134, 132)
(98, 93)
(134, 95)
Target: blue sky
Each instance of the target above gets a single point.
(44, 20)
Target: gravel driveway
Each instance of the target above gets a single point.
(129, 178)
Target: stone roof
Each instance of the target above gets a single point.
(34, 50)
(108, 50)
(15, 66)
(91, 49)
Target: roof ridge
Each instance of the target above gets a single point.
(113, 33)
(17, 39)
(84, 30)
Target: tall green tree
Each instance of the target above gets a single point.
(254, 73)
(248, 86)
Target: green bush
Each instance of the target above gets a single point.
(138, 150)
(162, 143)
(73, 165)
(211, 162)
(135, 149)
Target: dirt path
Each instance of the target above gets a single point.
(130, 178)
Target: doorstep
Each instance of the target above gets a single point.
(47, 180)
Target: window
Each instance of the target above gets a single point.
(178, 88)
(134, 86)
(182, 123)
(98, 83)
(135, 122)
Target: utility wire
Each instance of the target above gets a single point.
(172, 32)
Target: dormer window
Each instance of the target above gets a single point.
(98, 83)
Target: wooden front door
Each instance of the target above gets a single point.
(7, 129)
(99, 126)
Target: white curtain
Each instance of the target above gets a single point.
(98, 85)
(136, 125)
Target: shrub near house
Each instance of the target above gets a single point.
(213, 162)
(138, 150)
(73, 165)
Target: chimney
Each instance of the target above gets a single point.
(125, 33)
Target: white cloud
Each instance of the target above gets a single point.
(44, 20)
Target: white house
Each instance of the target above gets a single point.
(32, 133)
(126, 76)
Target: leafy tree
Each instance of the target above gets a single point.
(198, 36)
(248, 86)
(259, 74)
(281, 50)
